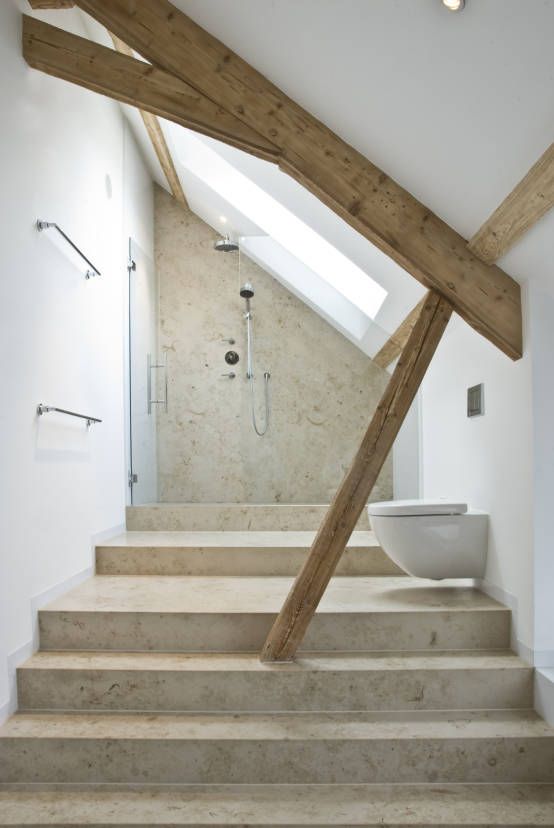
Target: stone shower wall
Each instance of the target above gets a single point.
(324, 390)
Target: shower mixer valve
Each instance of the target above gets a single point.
(231, 357)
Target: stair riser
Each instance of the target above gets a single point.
(246, 632)
(262, 561)
(178, 821)
(286, 806)
(53, 689)
(231, 517)
(321, 761)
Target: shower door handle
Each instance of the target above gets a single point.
(151, 366)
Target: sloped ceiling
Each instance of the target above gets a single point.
(455, 107)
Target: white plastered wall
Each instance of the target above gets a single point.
(501, 462)
(67, 157)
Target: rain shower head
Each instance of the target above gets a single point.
(247, 291)
(225, 245)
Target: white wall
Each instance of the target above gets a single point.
(502, 462)
(406, 455)
(66, 157)
(485, 460)
(541, 312)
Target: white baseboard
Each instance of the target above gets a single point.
(100, 537)
(21, 654)
(544, 694)
(510, 601)
(536, 658)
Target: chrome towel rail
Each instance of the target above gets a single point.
(45, 409)
(45, 225)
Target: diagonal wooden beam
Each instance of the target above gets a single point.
(51, 4)
(303, 599)
(396, 341)
(132, 81)
(157, 138)
(526, 204)
(340, 176)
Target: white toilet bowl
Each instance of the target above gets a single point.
(432, 539)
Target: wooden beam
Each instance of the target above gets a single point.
(51, 4)
(341, 177)
(302, 601)
(157, 138)
(132, 81)
(526, 204)
(396, 341)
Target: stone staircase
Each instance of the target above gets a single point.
(147, 704)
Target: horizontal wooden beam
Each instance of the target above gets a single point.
(341, 177)
(526, 204)
(96, 67)
(396, 341)
(343, 514)
(157, 138)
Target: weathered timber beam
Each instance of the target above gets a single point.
(396, 341)
(526, 204)
(157, 138)
(340, 176)
(132, 81)
(302, 601)
(51, 4)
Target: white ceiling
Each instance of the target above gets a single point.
(455, 107)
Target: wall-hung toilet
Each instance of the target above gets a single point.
(432, 539)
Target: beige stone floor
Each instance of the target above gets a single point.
(265, 595)
(378, 725)
(236, 539)
(286, 805)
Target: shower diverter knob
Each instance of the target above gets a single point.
(231, 357)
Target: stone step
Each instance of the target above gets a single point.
(228, 614)
(288, 806)
(239, 682)
(301, 748)
(234, 517)
(232, 553)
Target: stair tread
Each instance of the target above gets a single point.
(229, 539)
(425, 725)
(253, 594)
(249, 662)
(445, 804)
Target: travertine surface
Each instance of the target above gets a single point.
(232, 614)
(449, 806)
(324, 390)
(435, 746)
(232, 553)
(240, 682)
(243, 594)
(230, 517)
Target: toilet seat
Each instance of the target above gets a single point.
(407, 508)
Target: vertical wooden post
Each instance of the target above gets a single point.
(343, 514)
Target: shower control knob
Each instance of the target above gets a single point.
(231, 357)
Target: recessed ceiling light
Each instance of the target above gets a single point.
(454, 5)
(223, 220)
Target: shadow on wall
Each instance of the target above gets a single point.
(323, 389)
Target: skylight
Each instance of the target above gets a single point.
(282, 225)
